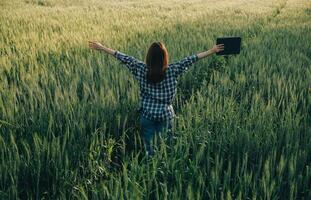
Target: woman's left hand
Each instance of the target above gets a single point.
(96, 45)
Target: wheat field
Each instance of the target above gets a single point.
(68, 126)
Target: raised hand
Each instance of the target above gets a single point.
(96, 45)
(217, 48)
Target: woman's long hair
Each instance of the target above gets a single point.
(157, 62)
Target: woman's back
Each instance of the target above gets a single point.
(156, 98)
(163, 91)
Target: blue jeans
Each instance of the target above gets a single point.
(150, 129)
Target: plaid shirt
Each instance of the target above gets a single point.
(156, 99)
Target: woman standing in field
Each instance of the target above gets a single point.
(157, 80)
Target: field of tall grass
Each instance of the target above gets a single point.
(68, 126)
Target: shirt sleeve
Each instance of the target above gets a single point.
(134, 65)
(184, 64)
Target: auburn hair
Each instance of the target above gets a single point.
(157, 62)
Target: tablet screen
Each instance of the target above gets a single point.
(232, 45)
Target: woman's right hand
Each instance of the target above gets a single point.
(96, 45)
(217, 48)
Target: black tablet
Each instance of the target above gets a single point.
(232, 45)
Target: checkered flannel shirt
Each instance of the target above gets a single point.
(156, 99)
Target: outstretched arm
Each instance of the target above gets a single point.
(184, 64)
(99, 47)
(134, 65)
(216, 48)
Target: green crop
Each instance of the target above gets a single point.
(68, 126)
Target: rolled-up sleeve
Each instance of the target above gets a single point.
(184, 64)
(134, 65)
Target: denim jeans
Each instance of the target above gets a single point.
(151, 129)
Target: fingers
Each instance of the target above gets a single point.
(220, 47)
(93, 44)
